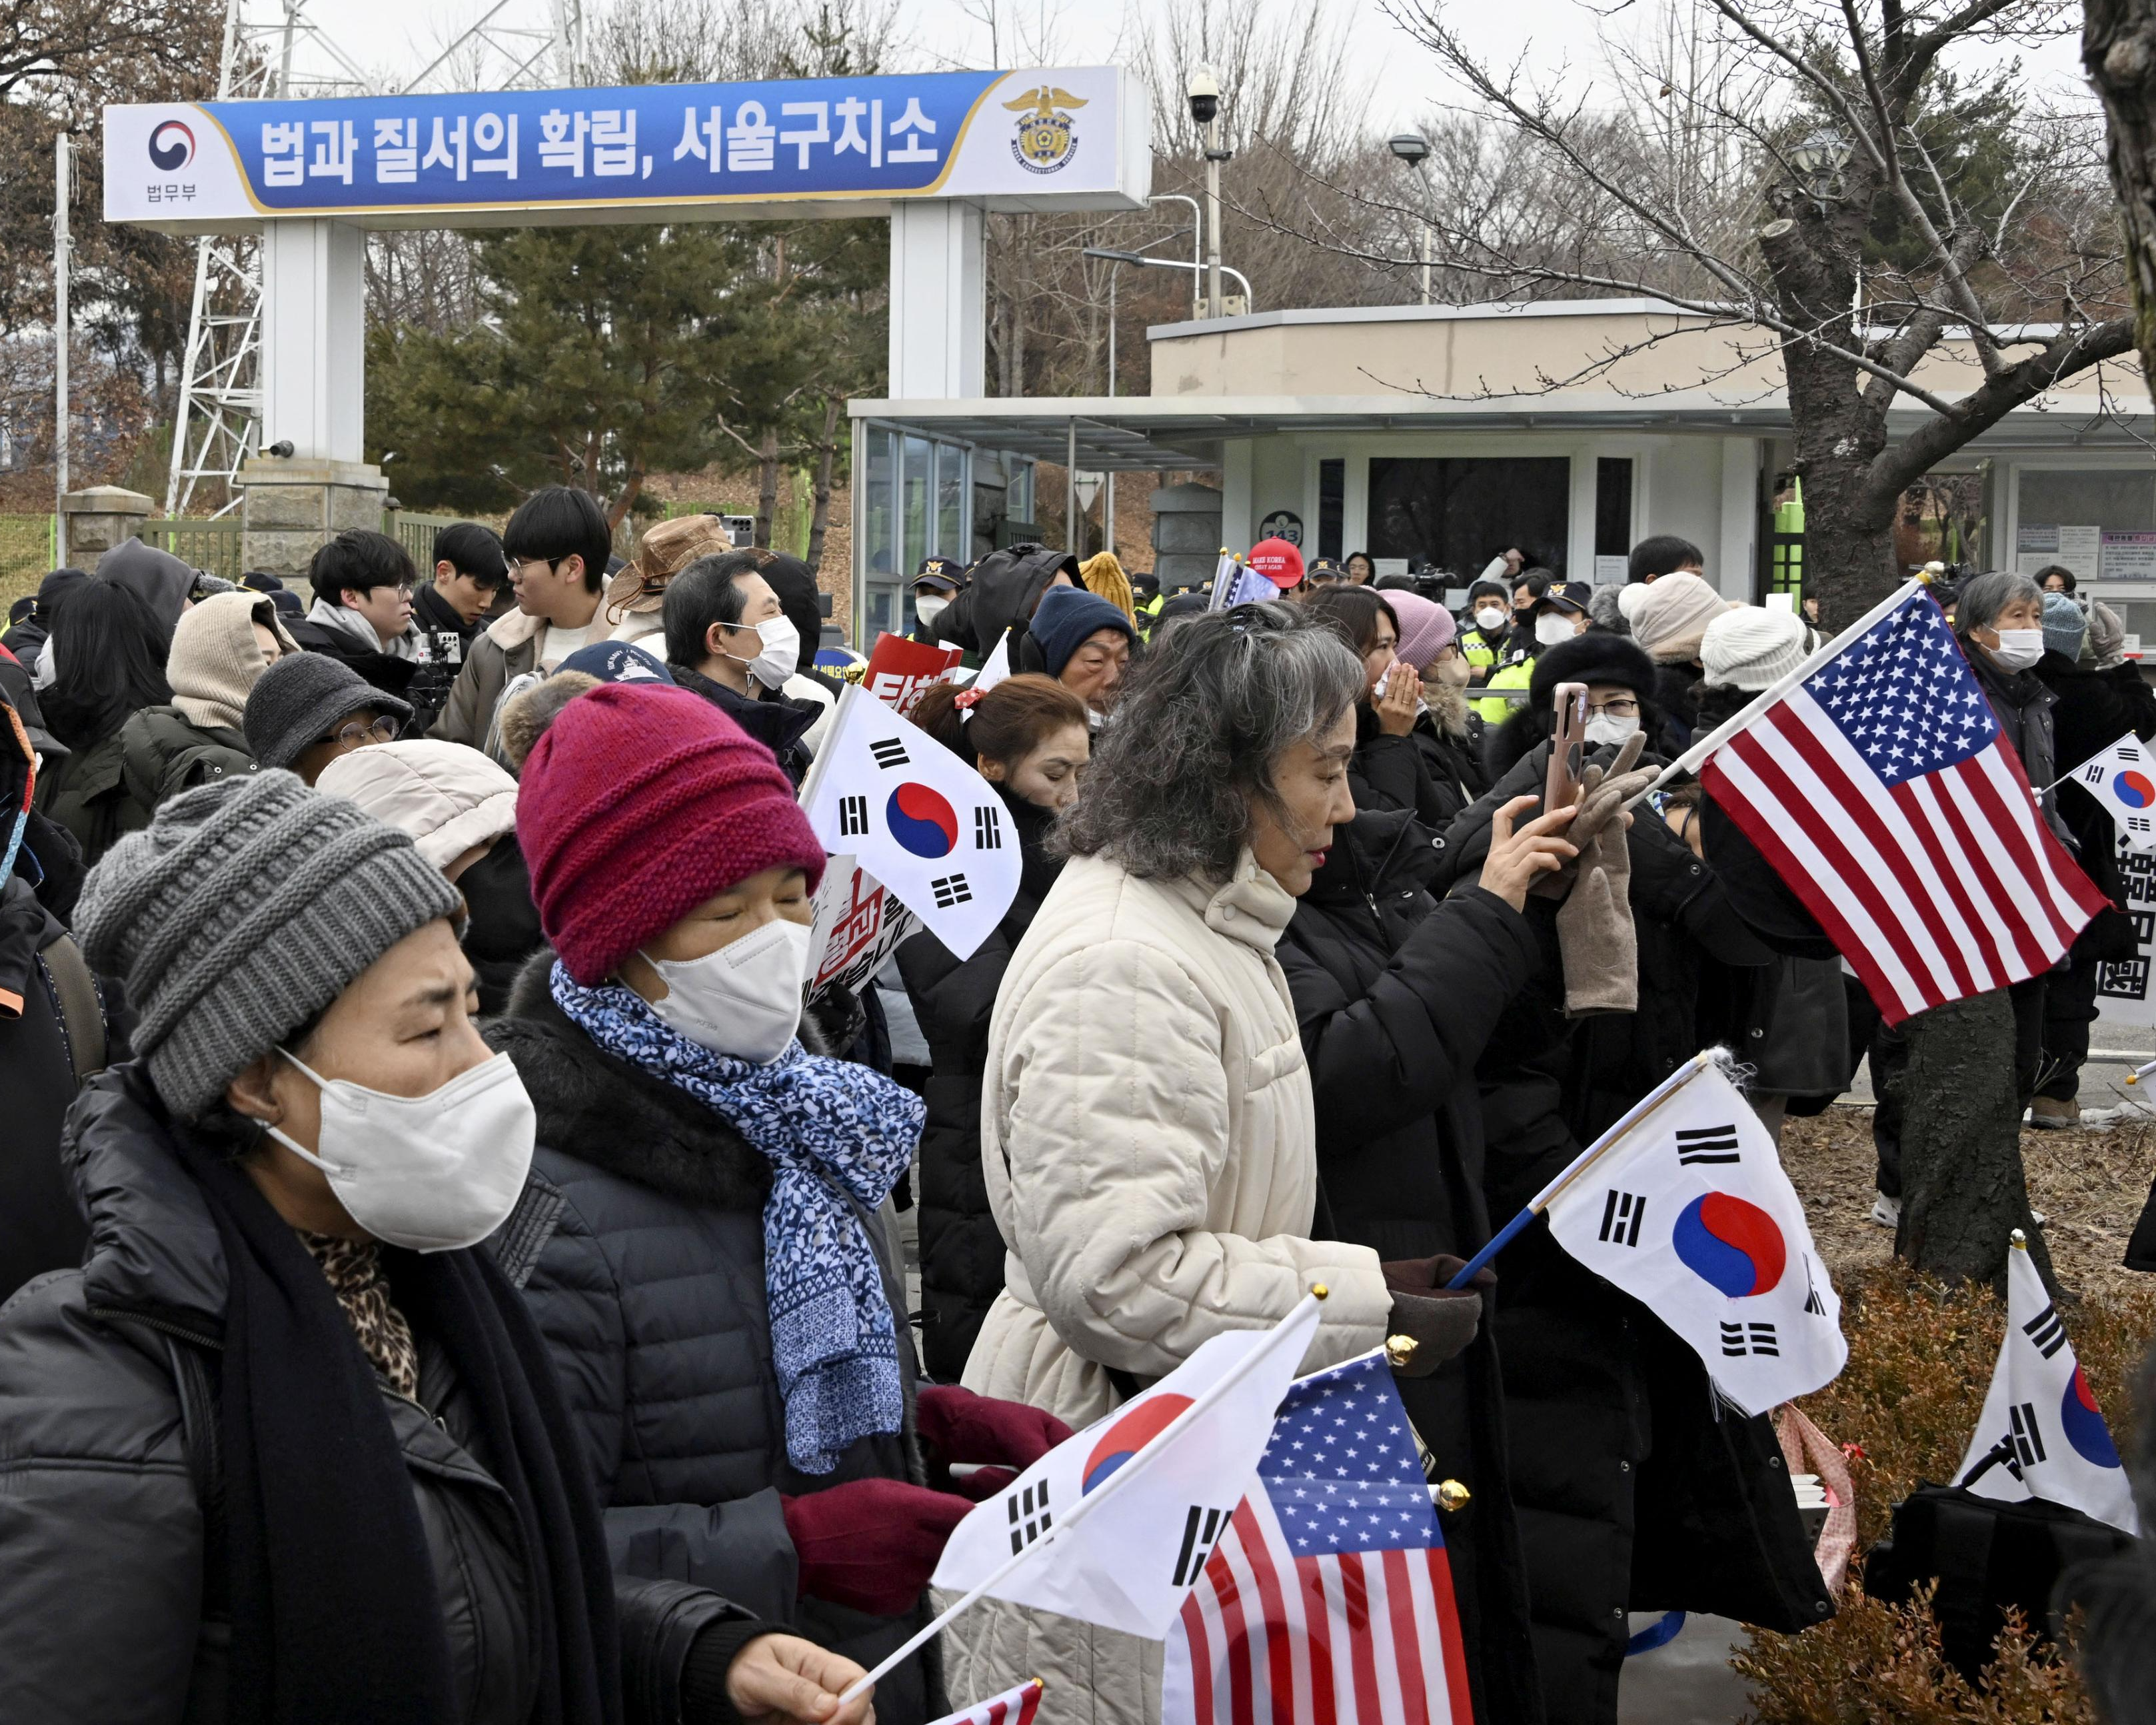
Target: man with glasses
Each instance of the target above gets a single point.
(309, 708)
(558, 544)
(362, 610)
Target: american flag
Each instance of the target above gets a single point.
(1329, 1599)
(1013, 1707)
(1883, 792)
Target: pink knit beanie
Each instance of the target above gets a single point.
(640, 802)
(1426, 627)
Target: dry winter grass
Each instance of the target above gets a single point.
(1920, 1356)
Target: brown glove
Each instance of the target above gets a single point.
(1439, 1321)
(1594, 929)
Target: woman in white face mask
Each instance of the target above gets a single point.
(1999, 618)
(291, 1443)
(716, 1279)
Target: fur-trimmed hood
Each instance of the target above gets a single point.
(602, 1110)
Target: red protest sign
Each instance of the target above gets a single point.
(899, 669)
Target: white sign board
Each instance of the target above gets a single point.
(2039, 545)
(2128, 557)
(2123, 992)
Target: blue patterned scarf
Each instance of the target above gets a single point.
(822, 1123)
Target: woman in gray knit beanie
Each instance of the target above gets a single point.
(287, 1447)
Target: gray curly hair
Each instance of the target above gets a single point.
(1200, 726)
(1983, 596)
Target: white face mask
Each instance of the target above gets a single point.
(1608, 727)
(744, 999)
(2019, 648)
(928, 609)
(435, 1172)
(1553, 627)
(1490, 620)
(780, 656)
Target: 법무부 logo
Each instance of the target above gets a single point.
(172, 147)
(1045, 142)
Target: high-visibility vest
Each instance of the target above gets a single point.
(1148, 612)
(1515, 675)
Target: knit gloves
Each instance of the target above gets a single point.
(1594, 929)
(1001, 1438)
(1439, 1321)
(871, 1545)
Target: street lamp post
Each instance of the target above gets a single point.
(1413, 148)
(1204, 94)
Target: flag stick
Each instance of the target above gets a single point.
(810, 785)
(1580, 1163)
(1090, 1501)
(1690, 760)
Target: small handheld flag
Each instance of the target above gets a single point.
(917, 818)
(2041, 1434)
(1013, 1707)
(1330, 1595)
(2123, 778)
(1234, 584)
(1688, 1211)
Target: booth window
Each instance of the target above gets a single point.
(1613, 506)
(1332, 507)
(1460, 511)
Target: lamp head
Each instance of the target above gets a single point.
(1412, 147)
(1204, 94)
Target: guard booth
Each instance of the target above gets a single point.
(933, 152)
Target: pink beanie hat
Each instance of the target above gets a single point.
(1426, 627)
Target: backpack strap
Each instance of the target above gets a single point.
(200, 1435)
(82, 1014)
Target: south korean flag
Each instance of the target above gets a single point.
(2123, 778)
(1685, 1206)
(914, 816)
(2041, 1434)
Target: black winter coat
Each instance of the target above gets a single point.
(2095, 708)
(1395, 994)
(778, 723)
(1635, 1492)
(1386, 774)
(164, 752)
(1448, 737)
(108, 1421)
(638, 1242)
(2023, 705)
(962, 1250)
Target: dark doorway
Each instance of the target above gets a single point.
(1460, 511)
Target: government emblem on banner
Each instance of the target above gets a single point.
(1044, 141)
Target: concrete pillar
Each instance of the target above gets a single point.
(1736, 565)
(314, 339)
(289, 508)
(98, 518)
(938, 301)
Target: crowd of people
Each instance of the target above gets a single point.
(451, 1273)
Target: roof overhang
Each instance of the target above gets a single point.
(1127, 432)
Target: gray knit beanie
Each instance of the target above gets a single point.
(242, 911)
(294, 702)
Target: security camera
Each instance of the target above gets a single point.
(1412, 147)
(1204, 94)
(282, 448)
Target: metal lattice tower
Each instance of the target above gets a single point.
(272, 47)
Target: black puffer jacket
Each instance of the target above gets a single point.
(775, 721)
(1395, 994)
(1448, 737)
(107, 1429)
(1633, 1493)
(639, 1245)
(962, 1250)
(89, 794)
(1387, 774)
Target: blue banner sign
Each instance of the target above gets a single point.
(1073, 137)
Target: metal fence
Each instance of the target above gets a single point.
(27, 545)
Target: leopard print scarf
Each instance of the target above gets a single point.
(353, 1269)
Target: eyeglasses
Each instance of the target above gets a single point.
(518, 565)
(358, 733)
(1625, 707)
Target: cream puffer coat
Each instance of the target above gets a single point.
(1146, 1132)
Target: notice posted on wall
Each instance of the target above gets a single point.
(2039, 545)
(2129, 556)
(2123, 992)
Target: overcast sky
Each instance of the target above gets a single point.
(1401, 80)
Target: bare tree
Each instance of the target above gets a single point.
(2118, 48)
(1797, 161)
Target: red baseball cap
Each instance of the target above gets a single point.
(1277, 561)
